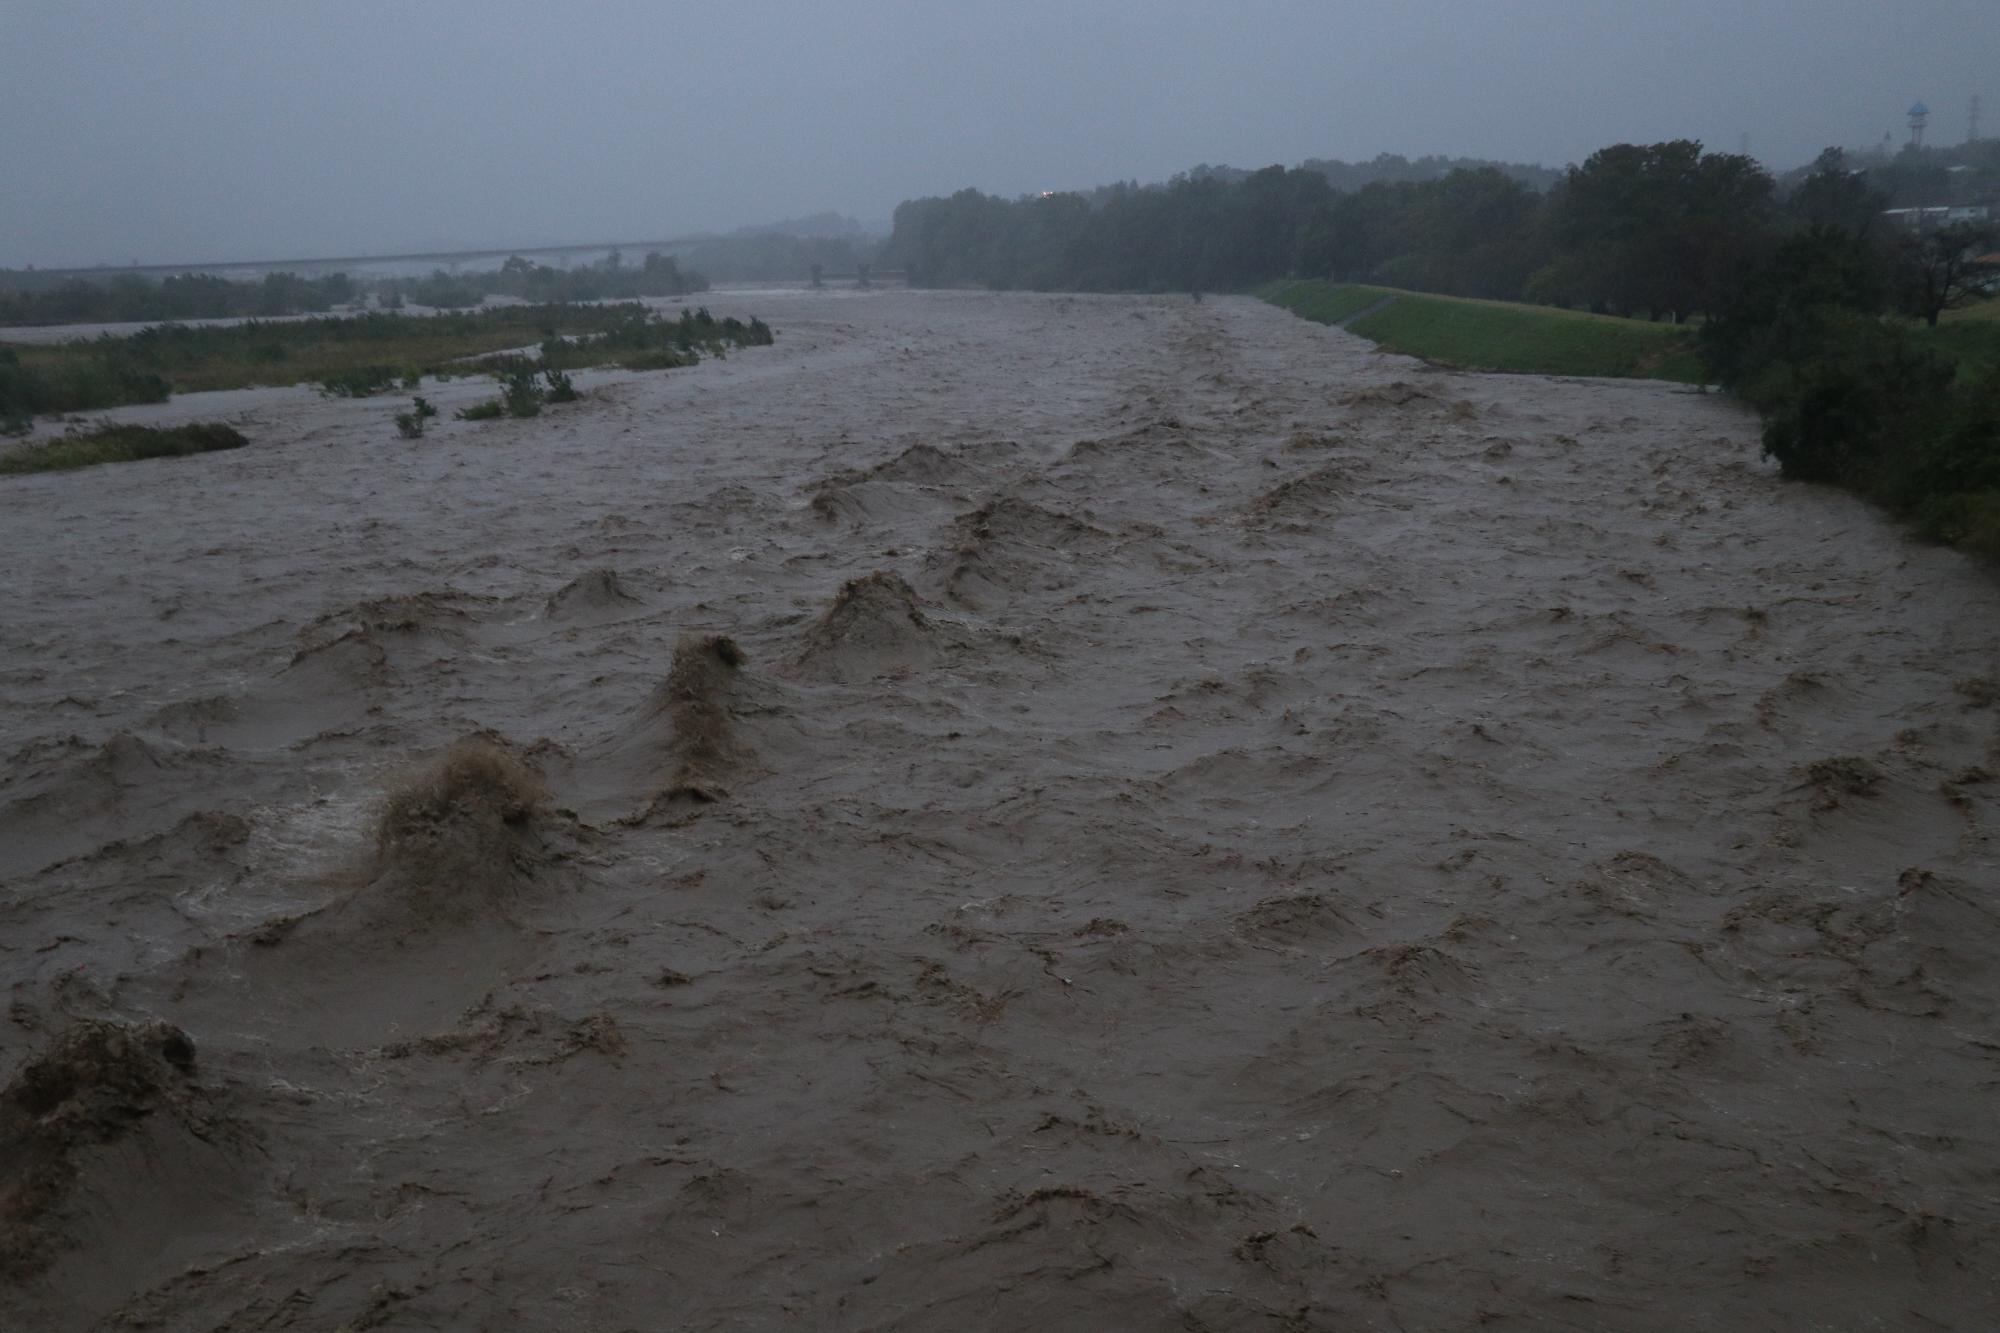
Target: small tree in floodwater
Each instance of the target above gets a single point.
(410, 424)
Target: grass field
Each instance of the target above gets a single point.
(1970, 337)
(1499, 335)
(1322, 302)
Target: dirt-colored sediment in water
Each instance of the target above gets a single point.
(1163, 817)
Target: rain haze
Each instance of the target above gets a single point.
(179, 131)
(1175, 668)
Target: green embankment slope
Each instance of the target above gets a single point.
(1970, 337)
(1496, 335)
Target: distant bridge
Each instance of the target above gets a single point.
(436, 259)
(333, 264)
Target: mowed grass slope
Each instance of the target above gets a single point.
(1970, 337)
(1323, 302)
(1498, 335)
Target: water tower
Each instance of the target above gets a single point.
(1919, 114)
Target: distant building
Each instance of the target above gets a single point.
(1942, 216)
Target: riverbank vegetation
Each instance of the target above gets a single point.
(610, 279)
(128, 298)
(1867, 339)
(354, 356)
(118, 444)
(1852, 393)
(1496, 335)
(1658, 231)
(28, 298)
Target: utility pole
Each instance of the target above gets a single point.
(1972, 121)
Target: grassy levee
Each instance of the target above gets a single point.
(118, 444)
(1970, 337)
(1498, 335)
(1319, 301)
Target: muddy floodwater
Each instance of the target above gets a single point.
(998, 812)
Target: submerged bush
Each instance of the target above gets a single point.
(361, 381)
(560, 389)
(16, 406)
(520, 394)
(119, 444)
(659, 358)
(410, 424)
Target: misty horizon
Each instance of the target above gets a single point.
(200, 132)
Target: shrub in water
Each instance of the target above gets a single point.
(360, 382)
(519, 393)
(119, 444)
(660, 358)
(410, 424)
(16, 395)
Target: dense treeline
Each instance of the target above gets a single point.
(1661, 231)
(1635, 230)
(1923, 177)
(28, 298)
(610, 279)
(1806, 292)
(128, 297)
(1850, 393)
(1393, 168)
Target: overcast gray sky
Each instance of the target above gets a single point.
(168, 130)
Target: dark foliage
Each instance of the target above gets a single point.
(1851, 396)
(130, 298)
(119, 444)
(1941, 268)
(410, 424)
(609, 280)
(1658, 230)
(89, 378)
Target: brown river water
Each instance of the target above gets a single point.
(1292, 839)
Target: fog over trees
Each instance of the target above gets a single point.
(197, 131)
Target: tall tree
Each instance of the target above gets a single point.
(1938, 269)
(1834, 195)
(1660, 228)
